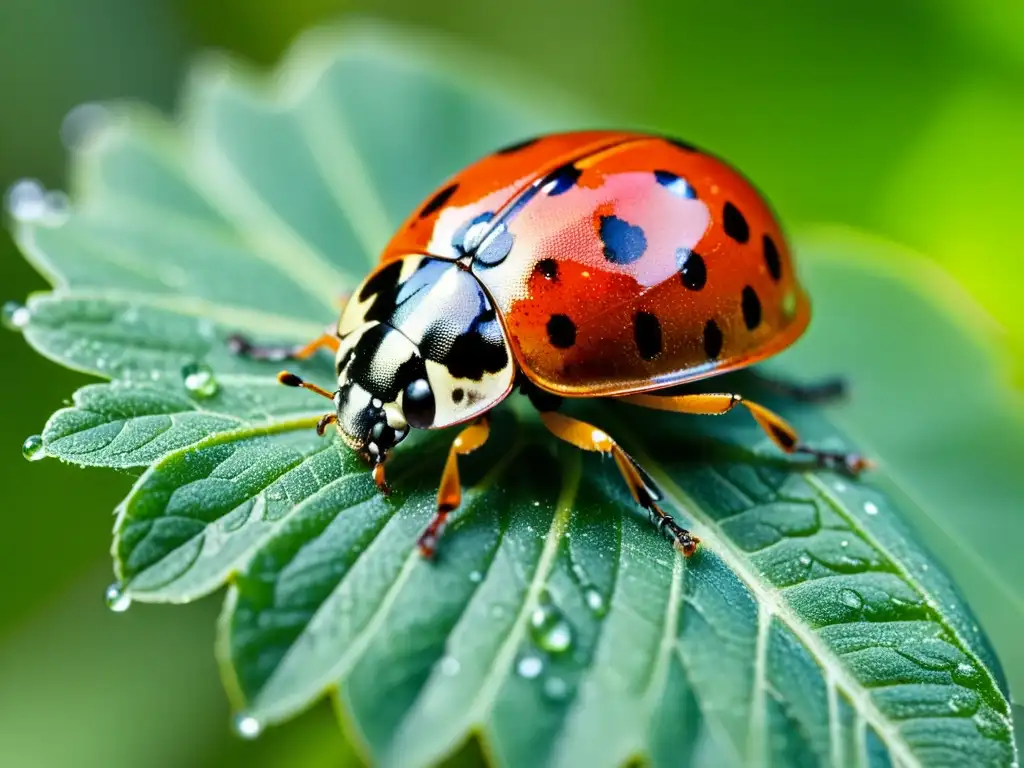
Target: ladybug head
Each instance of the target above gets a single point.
(383, 390)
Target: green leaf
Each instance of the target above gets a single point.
(557, 626)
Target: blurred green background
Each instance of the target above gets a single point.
(902, 118)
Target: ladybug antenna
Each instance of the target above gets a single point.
(291, 380)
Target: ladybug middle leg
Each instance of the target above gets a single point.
(449, 493)
(640, 484)
(777, 428)
(241, 345)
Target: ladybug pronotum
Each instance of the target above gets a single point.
(586, 264)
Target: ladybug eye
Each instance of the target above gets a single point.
(418, 404)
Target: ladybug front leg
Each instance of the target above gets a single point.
(449, 494)
(241, 345)
(777, 428)
(640, 484)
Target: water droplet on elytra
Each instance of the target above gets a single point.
(199, 380)
(550, 630)
(529, 667)
(32, 448)
(15, 316)
(450, 666)
(117, 599)
(595, 602)
(555, 688)
(870, 508)
(247, 726)
(851, 599)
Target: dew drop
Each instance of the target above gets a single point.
(529, 667)
(450, 666)
(963, 702)
(550, 630)
(32, 448)
(870, 508)
(964, 672)
(247, 726)
(595, 602)
(840, 486)
(199, 380)
(536, 503)
(117, 599)
(476, 577)
(804, 560)
(82, 123)
(844, 543)
(15, 316)
(555, 688)
(26, 201)
(850, 599)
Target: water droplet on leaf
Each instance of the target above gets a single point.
(26, 201)
(870, 508)
(963, 702)
(555, 688)
(117, 599)
(450, 666)
(476, 577)
(990, 724)
(550, 630)
(32, 448)
(595, 602)
(247, 726)
(15, 316)
(804, 560)
(851, 599)
(965, 672)
(199, 380)
(529, 667)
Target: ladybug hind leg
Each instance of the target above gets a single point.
(824, 391)
(778, 429)
(640, 484)
(449, 493)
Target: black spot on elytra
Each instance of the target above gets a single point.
(786, 440)
(472, 355)
(683, 145)
(516, 147)
(548, 268)
(751, 308)
(457, 394)
(675, 184)
(438, 200)
(771, 258)
(692, 270)
(561, 180)
(382, 381)
(383, 287)
(712, 340)
(647, 333)
(624, 243)
(735, 225)
(561, 331)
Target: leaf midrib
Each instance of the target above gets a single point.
(767, 595)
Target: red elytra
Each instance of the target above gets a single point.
(585, 264)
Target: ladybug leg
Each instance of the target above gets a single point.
(777, 428)
(640, 484)
(449, 494)
(242, 345)
(822, 391)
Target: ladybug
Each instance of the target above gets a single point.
(585, 264)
